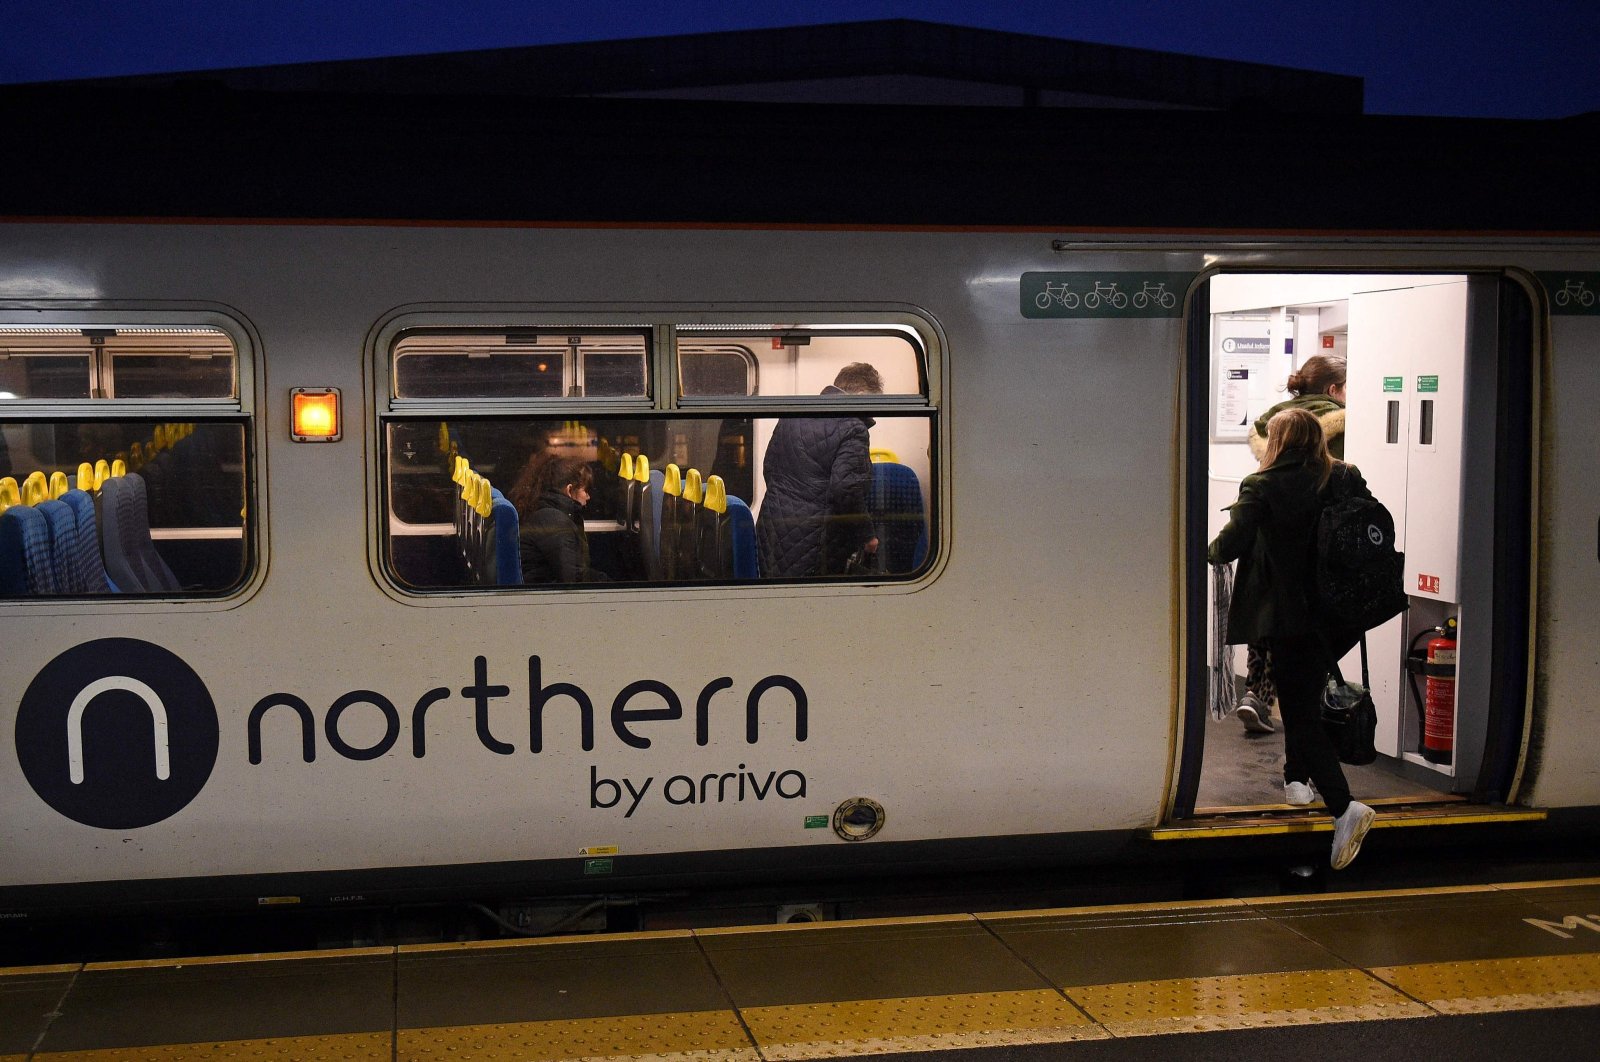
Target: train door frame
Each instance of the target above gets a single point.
(1508, 316)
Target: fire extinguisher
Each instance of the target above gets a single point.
(1437, 707)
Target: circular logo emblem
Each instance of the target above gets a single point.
(1375, 534)
(117, 733)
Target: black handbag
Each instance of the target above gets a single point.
(1349, 716)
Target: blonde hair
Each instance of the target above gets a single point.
(1298, 430)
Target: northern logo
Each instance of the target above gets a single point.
(117, 733)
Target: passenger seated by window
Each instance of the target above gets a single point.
(550, 495)
(817, 473)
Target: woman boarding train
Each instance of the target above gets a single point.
(1317, 387)
(1271, 532)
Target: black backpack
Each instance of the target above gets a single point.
(1360, 576)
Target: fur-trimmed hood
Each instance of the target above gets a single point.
(1327, 410)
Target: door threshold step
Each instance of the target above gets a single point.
(1286, 818)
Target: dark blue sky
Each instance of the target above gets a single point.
(1531, 59)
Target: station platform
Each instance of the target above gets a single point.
(1115, 975)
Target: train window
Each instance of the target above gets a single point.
(123, 467)
(502, 363)
(798, 361)
(714, 485)
(709, 369)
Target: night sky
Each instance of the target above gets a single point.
(1487, 58)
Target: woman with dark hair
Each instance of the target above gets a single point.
(549, 496)
(1318, 388)
(1271, 531)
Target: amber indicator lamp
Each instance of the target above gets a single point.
(315, 414)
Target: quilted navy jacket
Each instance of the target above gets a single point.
(814, 513)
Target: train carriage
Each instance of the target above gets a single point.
(316, 345)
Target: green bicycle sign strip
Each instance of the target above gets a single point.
(1573, 294)
(1104, 294)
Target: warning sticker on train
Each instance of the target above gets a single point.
(1121, 294)
(117, 733)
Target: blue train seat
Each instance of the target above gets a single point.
(504, 564)
(116, 536)
(650, 522)
(157, 576)
(895, 504)
(64, 557)
(26, 567)
(90, 563)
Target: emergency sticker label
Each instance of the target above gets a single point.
(1427, 384)
(597, 866)
(599, 850)
(817, 822)
(1394, 383)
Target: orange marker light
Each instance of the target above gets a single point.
(316, 414)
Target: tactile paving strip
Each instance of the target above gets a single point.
(1249, 1001)
(658, 1037)
(918, 1023)
(1527, 983)
(353, 1047)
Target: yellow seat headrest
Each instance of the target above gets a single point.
(879, 456)
(102, 472)
(119, 468)
(691, 487)
(641, 468)
(483, 501)
(625, 467)
(85, 476)
(716, 495)
(9, 494)
(673, 481)
(58, 484)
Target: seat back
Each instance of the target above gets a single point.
(157, 576)
(116, 536)
(63, 526)
(90, 565)
(504, 566)
(26, 566)
(895, 503)
(650, 522)
(689, 507)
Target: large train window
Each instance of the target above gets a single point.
(661, 453)
(123, 466)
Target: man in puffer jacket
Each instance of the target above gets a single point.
(817, 473)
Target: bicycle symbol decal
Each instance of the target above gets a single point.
(1573, 294)
(1575, 289)
(1120, 294)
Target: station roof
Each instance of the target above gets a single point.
(891, 61)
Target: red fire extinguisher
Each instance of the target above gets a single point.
(1439, 700)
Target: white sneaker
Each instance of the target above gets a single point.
(1348, 830)
(1299, 793)
(1255, 714)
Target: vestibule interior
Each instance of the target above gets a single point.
(1422, 369)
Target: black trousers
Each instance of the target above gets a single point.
(1300, 669)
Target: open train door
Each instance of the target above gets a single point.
(1440, 419)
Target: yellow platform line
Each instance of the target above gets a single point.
(916, 1023)
(1249, 1001)
(688, 1037)
(1533, 982)
(345, 1047)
